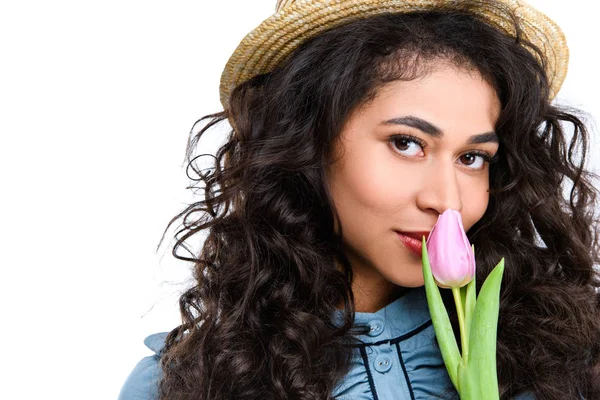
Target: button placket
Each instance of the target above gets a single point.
(387, 373)
(383, 362)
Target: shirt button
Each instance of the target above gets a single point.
(375, 327)
(383, 363)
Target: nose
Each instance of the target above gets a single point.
(440, 191)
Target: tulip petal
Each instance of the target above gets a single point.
(450, 254)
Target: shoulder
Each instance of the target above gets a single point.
(142, 382)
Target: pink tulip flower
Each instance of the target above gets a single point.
(450, 254)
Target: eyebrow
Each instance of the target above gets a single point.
(432, 130)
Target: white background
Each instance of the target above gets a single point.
(96, 102)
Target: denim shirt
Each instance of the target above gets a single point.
(398, 359)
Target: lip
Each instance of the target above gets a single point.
(411, 242)
(418, 235)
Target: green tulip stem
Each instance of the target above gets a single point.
(464, 340)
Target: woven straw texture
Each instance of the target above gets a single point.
(296, 20)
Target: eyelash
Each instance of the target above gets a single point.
(484, 155)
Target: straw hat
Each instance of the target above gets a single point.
(297, 20)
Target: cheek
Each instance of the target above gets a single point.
(379, 185)
(475, 201)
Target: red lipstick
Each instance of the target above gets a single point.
(413, 240)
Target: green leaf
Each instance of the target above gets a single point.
(484, 326)
(441, 323)
(469, 310)
(468, 380)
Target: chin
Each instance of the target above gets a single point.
(414, 284)
(407, 281)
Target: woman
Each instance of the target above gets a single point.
(356, 123)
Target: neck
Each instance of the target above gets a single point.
(372, 291)
(371, 301)
(371, 295)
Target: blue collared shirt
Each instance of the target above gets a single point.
(398, 360)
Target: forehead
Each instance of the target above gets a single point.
(453, 99)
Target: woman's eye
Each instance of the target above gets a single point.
(412, 146)
(474, 160)
(407, 146)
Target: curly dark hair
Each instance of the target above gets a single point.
(271, 272)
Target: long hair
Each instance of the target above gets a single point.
(256, 324)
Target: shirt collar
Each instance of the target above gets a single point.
(401, 317)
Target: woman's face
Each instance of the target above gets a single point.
(413, 152)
